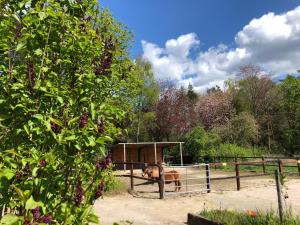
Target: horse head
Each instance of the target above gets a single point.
(148, 171)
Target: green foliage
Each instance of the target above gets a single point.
(233, 150)
(249, 218)
(143, 122)
(66, 81)
(290, 106)
(198, 143)
(241, 129)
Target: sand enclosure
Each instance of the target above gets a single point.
(143, 207)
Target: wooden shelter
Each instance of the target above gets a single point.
(144, 152)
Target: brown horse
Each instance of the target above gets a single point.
(170, 176)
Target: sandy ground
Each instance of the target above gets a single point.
(143, 207)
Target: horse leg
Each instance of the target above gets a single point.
(178, 185)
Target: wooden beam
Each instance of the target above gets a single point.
(181, 158)
(124, 153)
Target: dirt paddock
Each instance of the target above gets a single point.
(143, 207)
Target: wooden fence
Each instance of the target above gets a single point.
(280, 164)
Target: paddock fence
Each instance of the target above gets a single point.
(200, 178)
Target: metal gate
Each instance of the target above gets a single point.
(193, 179)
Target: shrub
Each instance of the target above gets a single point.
(249, 218)
(66, 80)
(241, 129)
(232, 150)
(198, 143)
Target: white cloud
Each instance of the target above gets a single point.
(271, 41)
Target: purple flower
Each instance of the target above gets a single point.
(101, 126)
(43, 163)
(27, 222)
(18, 176)
(106, 162)
(83, 120)
(54, 127)
(78, 193)
(36, 213)
(46, 219)
(98, 165)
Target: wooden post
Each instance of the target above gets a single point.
(124, 155)
(279, 197)
(280, 166)
(131, 177)
(298, 164)
(263, 164)
(186, 179)
(155, 154)
(181, 158)
(207, 178)
(237, 174)
(161, 183)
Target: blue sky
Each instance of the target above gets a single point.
(181, 38)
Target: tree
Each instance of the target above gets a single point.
(215, 109)
(256, 93)
(290, 106)
(192, 95)
(66, 81)
(198, 142)
(143, 121)
(241, 129)
(175, 113)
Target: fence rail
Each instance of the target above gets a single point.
(190, 180)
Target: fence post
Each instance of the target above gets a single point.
(237, 174)
(263, 164)
(279, 197)
(186, 179)
(298, 164)
(207, 178)
(161, 183)
(131, 176)
(280, 167)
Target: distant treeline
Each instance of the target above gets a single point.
(251, 111)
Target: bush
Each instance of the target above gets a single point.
(248, 218)
(198, 143)
(241, 129)
(65, 82)
(231, 150)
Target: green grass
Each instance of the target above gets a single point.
(259, 169)
(235, 218)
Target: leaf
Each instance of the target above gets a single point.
(8, 173)
(17, 17)
(59, 123)
(71, 138)
(42, 15)
(86, 212)
(10, 219)
(84, 99)
(20, 194)
(91, 141)
(60, 99)
(31, 203)
(26, 129)
(35, 171)
(38, 52)
(93, 110)
(71, 121)
(93, 218)
(3, 117)
(38, 116)
(20, 46)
